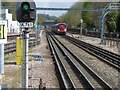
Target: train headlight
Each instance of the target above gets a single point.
(58, 29)
(65, 30)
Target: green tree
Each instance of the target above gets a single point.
(87, 16)
(72, 18)
(111, 22)
(118, 23)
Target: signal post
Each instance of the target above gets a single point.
(26, 15)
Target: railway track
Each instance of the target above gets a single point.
(14, 36)
(74, 72)
(106, 56)
(11, 46)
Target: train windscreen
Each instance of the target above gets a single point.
(62, 27)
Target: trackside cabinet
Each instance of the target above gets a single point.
(19, 50)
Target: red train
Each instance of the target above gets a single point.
(60, 28)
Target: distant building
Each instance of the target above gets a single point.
(8, 17)
(13, 26)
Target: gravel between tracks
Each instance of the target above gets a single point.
(108, 73)
(46, 70)
(43, 69)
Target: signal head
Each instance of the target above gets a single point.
(26, 11)
(25, 7)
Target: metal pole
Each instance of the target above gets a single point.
(119, 65)
(104, 13)
(1, 59)
(0, 53)
(25, 60)
(118, 44)
(0, 9)
(1, 63)
(102, 29)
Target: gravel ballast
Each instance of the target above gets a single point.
(44, 69)
(108, 73)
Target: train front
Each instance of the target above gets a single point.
(62, 28)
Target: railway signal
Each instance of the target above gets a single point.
(25, 7)
(26, 11)
(26, 15)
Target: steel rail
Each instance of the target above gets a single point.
(103, 55)
(85, 79)
(92, 73)
(105, 85)
(11, 46)
(58, 64)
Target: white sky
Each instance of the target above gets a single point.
(54, 4)
(56, 0)
(57, 4)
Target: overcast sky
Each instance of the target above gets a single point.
(54, 4)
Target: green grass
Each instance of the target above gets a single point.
(13, 73)
(13, 76)
(10, 57)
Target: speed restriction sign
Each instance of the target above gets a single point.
(3, 31)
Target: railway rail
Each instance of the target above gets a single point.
(73, 71)
(107, 56)
(11, 46)
(14, 36)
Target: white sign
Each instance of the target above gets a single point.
(26, 24)
(81, 20)
(3, 31)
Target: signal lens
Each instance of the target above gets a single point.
(25, 7)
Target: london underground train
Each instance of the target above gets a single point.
(60, 28)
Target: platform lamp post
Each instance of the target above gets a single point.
(81, 21)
